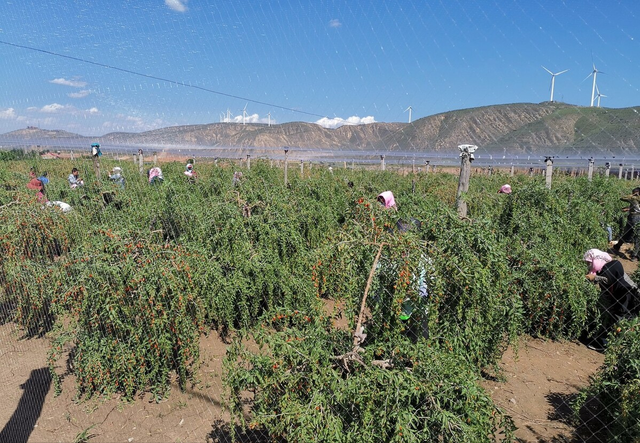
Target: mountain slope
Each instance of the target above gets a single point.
(515, 128)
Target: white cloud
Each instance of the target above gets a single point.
(79, 94)
(177, 5)
(93, 110)
(52, 108)
(253, 118)
(65, 82)
(8, 114)
(336, 122)
(335, 23)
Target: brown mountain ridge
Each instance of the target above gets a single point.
(511, 128)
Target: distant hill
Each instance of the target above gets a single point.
(545, 128)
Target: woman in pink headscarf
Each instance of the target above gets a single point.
(596, 259)
(387, 199)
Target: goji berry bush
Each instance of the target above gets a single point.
(374, 324)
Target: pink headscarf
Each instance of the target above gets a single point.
(387, 197)
(505, 189)
(596, 260)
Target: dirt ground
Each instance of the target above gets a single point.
(540, 379)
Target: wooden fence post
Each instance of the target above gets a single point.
(96, 166)
(620, 172)
(140, 161)
(426, 166)
(549, 172)
(512, 171)
(590, 173)
(286, 181)
(248, 162)
(466, 156)
(607, 169)
(382, 162)
(301, 168)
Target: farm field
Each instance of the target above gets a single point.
(250, 310)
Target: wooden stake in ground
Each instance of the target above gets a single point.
(382, 163)
(590, 173)
(140, 161)
(286, 181)
(607, 169)
(549, 172)
(466, 156)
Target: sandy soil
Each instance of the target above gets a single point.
(540, 379)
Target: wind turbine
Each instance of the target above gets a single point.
(244, 113)
(229, 114)
(269, 115)
(409, 109)
(553, 80)
(594, 73)
(598, 95)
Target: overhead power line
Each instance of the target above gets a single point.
(153, 77)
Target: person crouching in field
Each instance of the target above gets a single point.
(36, 185)
(41, 196)
(619, 296)
(117, 177)
(155, 176)
(631, 233)
(190, 173)
(387, 199)
(74, 179)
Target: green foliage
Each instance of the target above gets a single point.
(125, 286)
(616, 386)
(303, 388)
(135, 315)
(17, 154)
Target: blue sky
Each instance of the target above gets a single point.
(94, 67)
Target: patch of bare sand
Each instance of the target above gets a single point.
(29, 400)
(542, 378)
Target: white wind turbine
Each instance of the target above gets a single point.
(244, 113)
(598, 95)
(553, 80)
(594, 73)
(269, 115)
(229, 114)
(409, 109)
